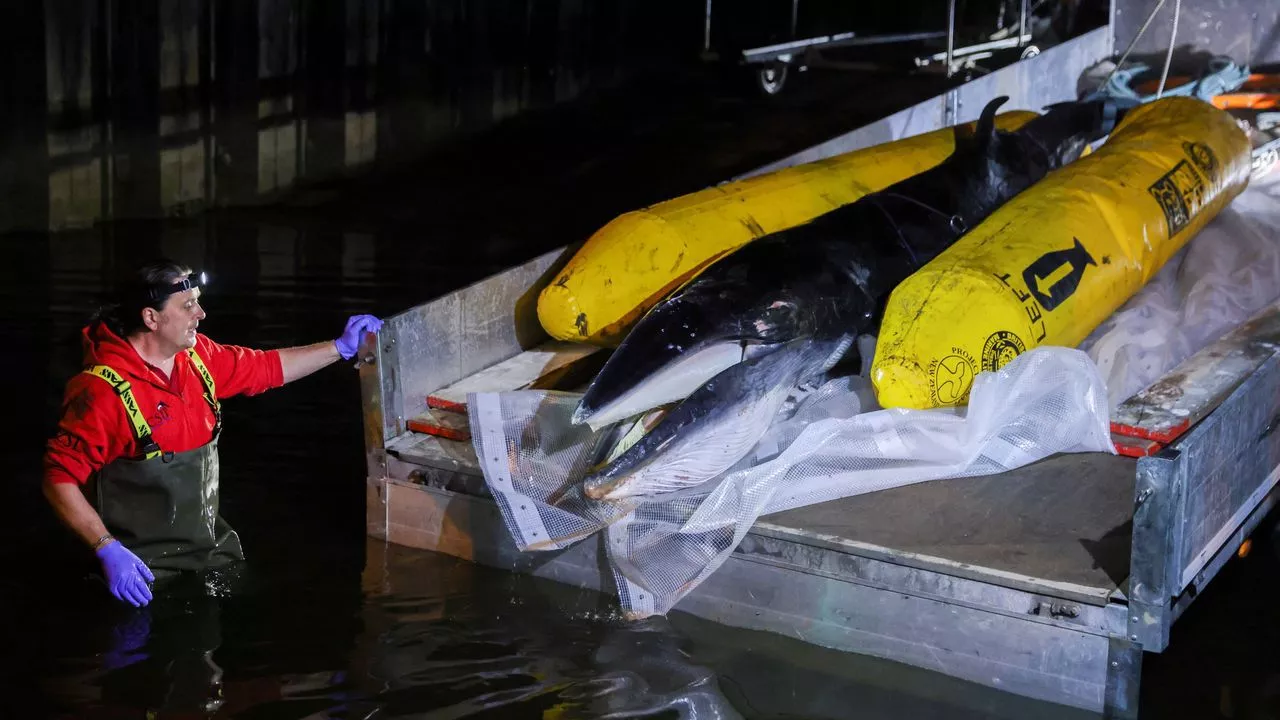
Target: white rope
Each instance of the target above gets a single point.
(1168, 58)
(1120, 63)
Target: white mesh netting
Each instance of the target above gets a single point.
(660, 547)
(836, 442)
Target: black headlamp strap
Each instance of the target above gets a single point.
(160, 292)
(156, 293)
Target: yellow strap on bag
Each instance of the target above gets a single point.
(1050, 265)
(639, 257)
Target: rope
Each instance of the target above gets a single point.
(1151, 16)
(1168, 58)
(956, 222)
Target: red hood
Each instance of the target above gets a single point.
(104, 347)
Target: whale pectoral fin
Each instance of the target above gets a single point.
(712, 429)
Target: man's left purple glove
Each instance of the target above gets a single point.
(357, 326)
(127, 576)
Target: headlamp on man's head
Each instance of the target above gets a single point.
(157, 293)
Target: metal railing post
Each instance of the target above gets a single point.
(706, 29)
(951, 34)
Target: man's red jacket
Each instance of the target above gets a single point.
(95, 430)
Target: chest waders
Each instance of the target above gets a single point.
(164, 505)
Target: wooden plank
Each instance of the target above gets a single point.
(544, 367)
(1135, 447)
(1185, 396)
(441, 423)
(1062, 522)
(436, 452)
(418, 519)
(376, 508)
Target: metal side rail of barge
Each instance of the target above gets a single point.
(1049, 582)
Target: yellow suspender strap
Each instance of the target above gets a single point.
(210, 390)
(141, 430)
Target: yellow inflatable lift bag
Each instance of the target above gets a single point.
(639, 257)
(1050, 265)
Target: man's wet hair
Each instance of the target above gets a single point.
(135, 292)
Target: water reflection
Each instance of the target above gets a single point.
(521, 642)
(431, 637)
(167, 108)
(421, 635)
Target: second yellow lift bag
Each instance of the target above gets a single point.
(639, 257)
(1053, 263)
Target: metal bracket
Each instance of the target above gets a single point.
(376, 463)
(1056, 609)
(951, 105)
(393, 407)
(1124, 675)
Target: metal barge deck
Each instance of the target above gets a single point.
(1049, 582)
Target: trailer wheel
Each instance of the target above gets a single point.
(771, 78)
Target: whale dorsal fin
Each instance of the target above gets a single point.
(984, 134)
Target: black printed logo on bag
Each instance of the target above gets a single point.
(1049, 265)
(1050, 280)
(1000, 350)
(1181, 191)
(951, 377)
(1202, 155)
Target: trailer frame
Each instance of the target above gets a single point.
(1074, 637)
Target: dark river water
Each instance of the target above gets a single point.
(326, 623)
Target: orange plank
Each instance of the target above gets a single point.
(442, 423)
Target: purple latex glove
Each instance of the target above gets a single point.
(127, 576)
(357, 326)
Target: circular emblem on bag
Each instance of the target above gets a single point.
(1202, 155)
(952, 377)
(1001, 348)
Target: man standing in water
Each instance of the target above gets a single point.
(133, 468)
